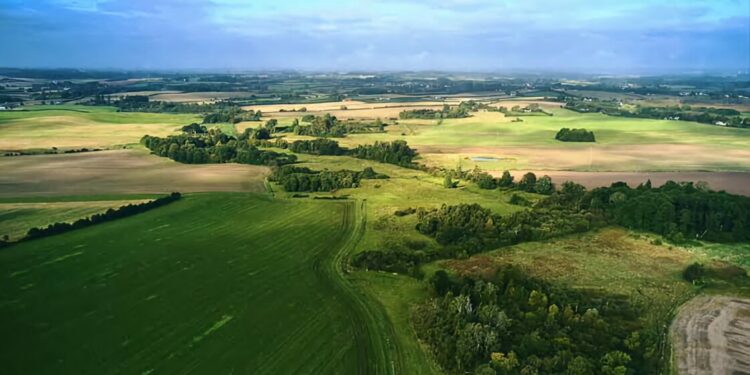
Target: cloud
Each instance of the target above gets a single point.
(377, 34)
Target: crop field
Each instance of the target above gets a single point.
(18, 217)
(199, 97)
(243, 280)
(120, 171)
(354, 109)
(78, 126)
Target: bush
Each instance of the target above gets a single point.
(575, 135)
(694, 272)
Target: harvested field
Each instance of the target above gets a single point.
(120, 171)
(199, 97)
(355, 109)
(711, 336)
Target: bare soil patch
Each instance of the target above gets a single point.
(120, 171)
(711, 335)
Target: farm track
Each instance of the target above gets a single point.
(377, 352)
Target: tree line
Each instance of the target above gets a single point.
(303, 179)
(109, 215)
(516, 324)
(705, 115)
(678, 211)
(213, 147)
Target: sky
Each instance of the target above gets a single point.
(584, 36)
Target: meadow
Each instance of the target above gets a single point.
(227, 283)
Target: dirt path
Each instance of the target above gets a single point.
(711, 336)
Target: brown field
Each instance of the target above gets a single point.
(355, 109)
(711, 335)
(199, 97)
(613, 157)
(120, 171)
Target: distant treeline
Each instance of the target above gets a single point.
(713, 116)
(109, 215)
(575, 135)
(460, 111)
(329, 126)
(516, 324)
(528, 182)
(213, 147)
(679, 212)
(302, 179)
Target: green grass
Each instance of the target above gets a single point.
(214, 283)
(397, 294)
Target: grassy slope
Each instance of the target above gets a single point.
(226, 282)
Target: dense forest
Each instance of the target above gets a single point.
(302, 179)
(575, 135)
(213, 147)
(515, 324)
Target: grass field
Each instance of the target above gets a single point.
(220, 283)
(121, 171)
(17, 218)
(82, 126)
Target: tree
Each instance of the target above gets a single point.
(448, 182)
(506, 180)
(545, 186)
(528, 182)
(271, 124)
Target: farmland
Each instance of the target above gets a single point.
(75, 127)
(243, 276)
(205, 279)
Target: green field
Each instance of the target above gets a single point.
(217, 283)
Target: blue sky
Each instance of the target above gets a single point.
(603, 36)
